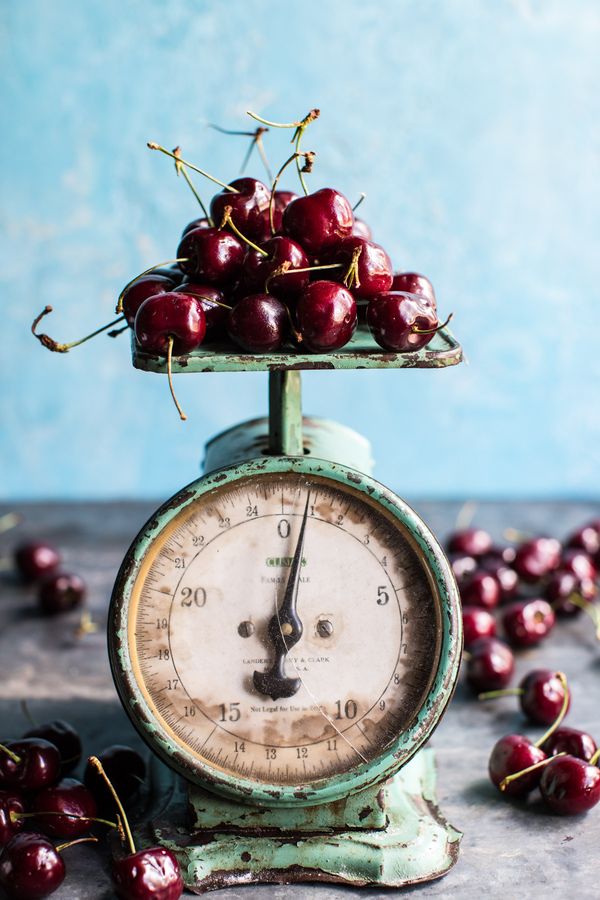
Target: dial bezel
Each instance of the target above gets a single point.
(328, 789)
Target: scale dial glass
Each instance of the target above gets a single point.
(195, 622)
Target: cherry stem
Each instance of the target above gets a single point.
(207, 299)
(273, 188)
(351, 279)
(190, 165)
(16, 816)
(16, 759)
(538, 765)
(286, 269)
(50, 344)
(84, 840)
(359, 201)
(27, 713)
(118, 331)
(9, 520)
(591, 610)
(181, 170)
(256, 141)
(182, 415)
(227, 220)
(435, 330)
(505, 692)
(595, 758)
(300, 127)
(465, 515)
(167, 262)
(563, 711)
(95, 762)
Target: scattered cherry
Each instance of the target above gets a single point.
(64, 737)
(542, 694)
(212, 255)
(527, 622)
(537, 558)
(125, 768)
(490, 665)
(473, 542)
(481, 589)
(580, 564)
(570, 786)
(319, 221)
(511, 754)
(462, 566)
(10, 802)
(61, 592)
(35, 559)
(31, 867)
(568, 594)
(571, 741)
(587, 538)
(326, 315)
(28, 764)
(65, 809)
(477, 623)
(496, 565)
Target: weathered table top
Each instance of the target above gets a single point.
(507, 851)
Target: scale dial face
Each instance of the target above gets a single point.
(210, 600)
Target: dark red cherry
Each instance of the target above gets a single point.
(481, 589)
(397, 320)
(319, 221)
(125, 768)
(570, 786)
(536, 558)
(504, 573)
(210, 299)
(565, 592)
(587, 538)
(490, 665)
(71, 805)
(65, 739)
(413, 283)
(30, 867)
(212, 255)
(579, 563)
(462, 566)
(259, 323)
(470, 541)
(38, 764)
(202, 222)
(10, 802)
(512, 754)
(61, 592)
(477, 623)
(542, 696)
(263, 228)
(571, 741)
(147, 874)
(258, 268)
(326, 316)
(251, 199)
(35, 559)
(172, 272)
(374, 267)
(175, 314)
(527, 622)
(362, 230)
(140, 290)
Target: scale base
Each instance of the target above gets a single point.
(410, 843)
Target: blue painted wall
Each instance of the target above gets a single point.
(474, 128)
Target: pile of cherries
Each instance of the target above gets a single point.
(526, 587)
(267, 269)
(40, 803)
(563, 763)
(38, 563)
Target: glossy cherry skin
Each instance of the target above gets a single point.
(490, 665)
(361, 229)
(258, 268)
(481, 589)
(263, 228)
(579, 563)
(396, 319)
(140, 290)
(10, 802)
(35, 559)
(259, 323)
(562, 586)
(70, 798)
(542, 697)
(477, 623)
(61, 592)
(470, 541)
(152, 874)
(528, 622)
(587, 538)
(571, 741)
(462, 566)
(536, 558)
(64, 737)
(212, 255)
(124, 767)
(326, 316)
(506, 576)
(246, 206)
(570, 786)
(202, 222)
(30, 867)
(374, 266)
(210, 299)
(319, 221)
(39, 765)
(413, 283)
(176, 314)
(512, 754)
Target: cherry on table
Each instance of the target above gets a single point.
(542, 694)
(571, 741)
(326, 316)
(65, 809)
(401, 323)
(490, 665)
(10, 802)
(470, 542)
(64, 737)
(259, 323)
(579, 563)
(570, 786)
(148, 873)
(61, 592)
(537, 557)
(568, 594)
(146, 286)
(319, 221)
(211, 255)
(527, 622)
(510, 755)
(31, 867)
(477, 623)
(481, 589)
(462, 566)
(28, 764)
(587, 538)
(252, 199)
(125, 768)
(35, 559)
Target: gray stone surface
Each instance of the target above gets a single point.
(508, 851)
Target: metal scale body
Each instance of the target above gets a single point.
(374, 823)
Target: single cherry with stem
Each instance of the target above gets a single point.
(35, 559)
(262, 271)
(211, 255)
(31, 867)
(570, 786)
(572, 741)
(527, 622)
(160, 269)
(402, 322)
(142, 288)
(568, 595)
(536, 558)
(243, 208)
(373, 266)
(28, 764)
(319, 221)
(66, 809)
(490, 665)
(541, 695)
(141, 874)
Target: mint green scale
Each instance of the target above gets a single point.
(285, 634)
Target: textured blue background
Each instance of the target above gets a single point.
(474, 127)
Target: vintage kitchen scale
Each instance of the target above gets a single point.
(285, 635)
